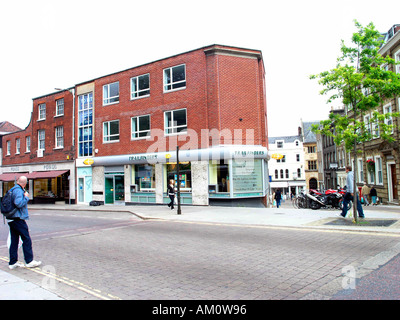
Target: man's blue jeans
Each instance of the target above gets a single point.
(19, 228)
(347, 198)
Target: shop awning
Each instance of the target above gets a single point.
(46, 174)
(11, 176)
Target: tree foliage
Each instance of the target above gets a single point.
(362, 82)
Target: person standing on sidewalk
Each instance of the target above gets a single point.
(350, 194)
(365, 193)
(171, 193)
(19, 227)
(278, 197)
(373, 194)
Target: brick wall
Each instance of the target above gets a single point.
(49, 124)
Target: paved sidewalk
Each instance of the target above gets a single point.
(14, 288)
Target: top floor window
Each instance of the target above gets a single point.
(311, 149)
(397, 59)
(140, 86)
(175, 78)
(279, 144)
(42, 111)
(60, 107)
(111, 93)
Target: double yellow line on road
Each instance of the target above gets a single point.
(72, 283)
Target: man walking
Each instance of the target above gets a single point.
(350, 194)
(19, 228)
(365, 192)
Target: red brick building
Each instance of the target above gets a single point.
(44, 150)
(210, 102)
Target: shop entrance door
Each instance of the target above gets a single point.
(81, 190)
(115, 189)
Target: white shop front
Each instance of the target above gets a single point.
(225, 172)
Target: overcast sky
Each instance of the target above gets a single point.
(57, 44)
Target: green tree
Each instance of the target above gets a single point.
(362, 82)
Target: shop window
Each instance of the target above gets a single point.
(219, 175)
(185, 174)
(145, 177)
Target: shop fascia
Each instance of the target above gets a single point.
(245, 153)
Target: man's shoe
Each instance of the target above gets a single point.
(33, 264)
(15, 265)
(341, 216)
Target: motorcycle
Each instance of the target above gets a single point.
(332, 199)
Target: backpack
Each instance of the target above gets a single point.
(8, 207)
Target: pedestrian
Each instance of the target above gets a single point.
(350, 194)
(373, 194)
(278, 197)
(19, 227)
(171, 193)
(365, 193)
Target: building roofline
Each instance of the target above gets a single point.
(244, 51)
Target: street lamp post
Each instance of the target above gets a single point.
(178, 181)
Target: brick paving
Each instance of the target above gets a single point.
(178, 260)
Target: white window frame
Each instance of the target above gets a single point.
(59, 137)
(28, 144)
(388, 109)
(397, 59)
(171, 126)
(367, 123)
(136, 94)
(41, 139)
(107, 137)
(42, 112)
(378, 171)
(8, 148)
(173, 83)
(135, 135)
(17, 146)
(360, 169)
(106, 94)
(371, 175)
(59, 107)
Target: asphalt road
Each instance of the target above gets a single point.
(101, 255)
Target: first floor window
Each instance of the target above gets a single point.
(378, 170)
(111, 131)
(59, 137)
(140, 127)
(175, 121)
(41, 139)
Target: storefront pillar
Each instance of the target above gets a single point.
(200, 187)
(98, 184)
(159, 183)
